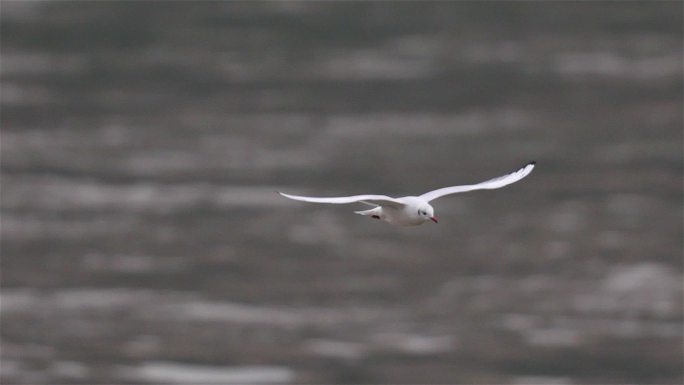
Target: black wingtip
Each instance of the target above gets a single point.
(533, 162)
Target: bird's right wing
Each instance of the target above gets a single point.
(373, 200)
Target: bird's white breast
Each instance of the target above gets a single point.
(406, 215)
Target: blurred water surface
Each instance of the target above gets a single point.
(142, 240)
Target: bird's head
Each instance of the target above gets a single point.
(427, 213)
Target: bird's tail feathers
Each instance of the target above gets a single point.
(368, 212)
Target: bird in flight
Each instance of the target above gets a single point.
(414, 210)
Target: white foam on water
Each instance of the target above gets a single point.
(553, 337)
(415, 344)
(170, 372)
(69, 369)
(61, 194)
(541, 380)
(337, 349)
(74, 299)
(611, 64)
(256, 314)
(471, 122)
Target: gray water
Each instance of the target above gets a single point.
(142, 241)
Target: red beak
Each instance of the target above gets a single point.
(434, 219)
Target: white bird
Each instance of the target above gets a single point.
(414, 210)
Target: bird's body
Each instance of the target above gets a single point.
(407, 214)
(413, 210)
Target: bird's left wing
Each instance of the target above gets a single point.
(486, 185)
(373, 200)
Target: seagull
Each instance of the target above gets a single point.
(414, 210)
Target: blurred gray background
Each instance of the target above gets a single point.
(142, 241)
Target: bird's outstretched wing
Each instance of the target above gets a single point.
(373, 200)
(486, 185)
